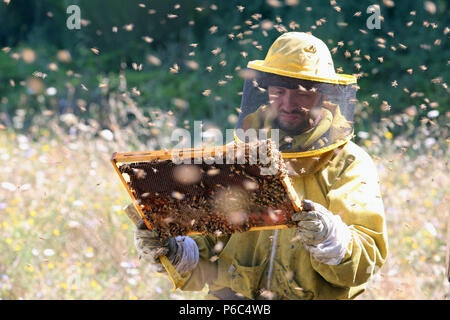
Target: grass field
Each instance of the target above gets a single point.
(63, 234)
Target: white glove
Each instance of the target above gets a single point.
(322, 233)
(181, 251)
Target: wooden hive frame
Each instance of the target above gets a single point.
(119, 159)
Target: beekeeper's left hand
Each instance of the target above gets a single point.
(322, 233)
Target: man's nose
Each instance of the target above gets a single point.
(288, 102)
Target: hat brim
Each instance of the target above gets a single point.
(344, 79)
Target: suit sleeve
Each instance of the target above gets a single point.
(355, 196)
(206, 269)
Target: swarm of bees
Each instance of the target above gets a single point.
(181, 199)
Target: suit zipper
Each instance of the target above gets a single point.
(272, 256)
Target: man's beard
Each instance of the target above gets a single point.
(306, 122)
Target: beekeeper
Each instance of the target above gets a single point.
(341, 238)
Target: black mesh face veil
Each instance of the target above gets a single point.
(301, 116)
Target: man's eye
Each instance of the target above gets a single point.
(304, 95)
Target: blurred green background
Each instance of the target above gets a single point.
(160, 34)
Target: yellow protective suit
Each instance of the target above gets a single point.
(345, 182)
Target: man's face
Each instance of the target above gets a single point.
(295, 108)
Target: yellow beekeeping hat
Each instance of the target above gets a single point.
(301, 55)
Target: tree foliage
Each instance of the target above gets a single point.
(404, 64)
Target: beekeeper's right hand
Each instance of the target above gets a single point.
(182, 252)
(150, 246)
